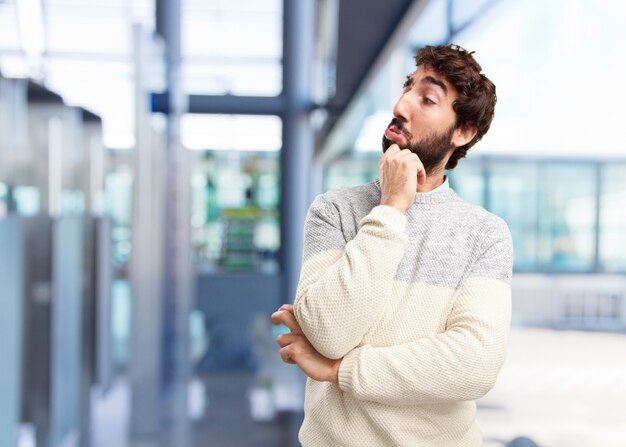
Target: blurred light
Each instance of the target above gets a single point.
(13, 66)
(124, 247)
(9, 28)
(371, 135)
(218, 57)
(231, 132)
(30, 17)
(197, 220)
(551, 99)
(105, 88)
(220, 76)
(27, 200)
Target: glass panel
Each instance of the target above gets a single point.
(230, 34)
(83, 34)
(431, 26)
(11, 330)
(113, 99)
(232, 47)
(613, 219)
(464, 11)
(121, 308)
(351, 172)
(242, 77)
(26, 200)
(67, 321)
(231, 132)
(9, 31)
(512, 195)
(567, 223)
(4, 200)
(468, 181)
(89, 59)
(119, 205)
(119, 194)
(540, 70)
(235, 216)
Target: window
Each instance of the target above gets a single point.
(613, 219)
(513, 195)
(235, 191)
(232, 47)
(567, 217)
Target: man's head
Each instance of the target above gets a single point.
(446, 106)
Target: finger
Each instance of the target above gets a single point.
(287, 307)
(381, 162)
(288, 319)
(391, 151)
(287, 356)
(403, 156)
(286, 339)
(406, 154)
(276, 319)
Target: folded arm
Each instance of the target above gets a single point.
(461, 363)
(344, 287)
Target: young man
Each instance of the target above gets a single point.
(403, 306)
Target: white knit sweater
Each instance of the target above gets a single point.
(418, 306)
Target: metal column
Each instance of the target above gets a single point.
(11, 278)
(145, 362)
(177, 269)
(297, 151)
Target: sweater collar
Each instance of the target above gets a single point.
(442, 194)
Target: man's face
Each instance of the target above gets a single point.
(423, 118)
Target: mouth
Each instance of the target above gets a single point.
(393, 133)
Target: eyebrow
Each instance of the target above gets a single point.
(409, 81)
(435, 81)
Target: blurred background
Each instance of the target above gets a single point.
(157, 158)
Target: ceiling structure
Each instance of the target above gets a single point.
(365, 27)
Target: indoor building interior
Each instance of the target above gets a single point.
(157, 161)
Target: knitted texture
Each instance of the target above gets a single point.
(418, 306)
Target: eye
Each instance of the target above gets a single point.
(428, 101)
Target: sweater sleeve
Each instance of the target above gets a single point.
(343, 286)
(461, 363)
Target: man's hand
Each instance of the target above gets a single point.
(400, 172)
(296, 349)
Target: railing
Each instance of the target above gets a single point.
(581, 302)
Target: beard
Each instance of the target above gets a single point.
(431, 149)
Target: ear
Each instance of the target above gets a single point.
(464, 134)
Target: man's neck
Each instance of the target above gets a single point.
(431, 182)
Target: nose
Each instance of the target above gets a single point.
(400, 110)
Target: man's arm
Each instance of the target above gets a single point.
(343, 290)
(461, 363)
(344, 287)
(297, 350)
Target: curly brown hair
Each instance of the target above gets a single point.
(476, 101)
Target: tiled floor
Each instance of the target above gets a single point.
(227, 421)
(560, 388)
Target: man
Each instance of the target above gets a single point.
(403, 306)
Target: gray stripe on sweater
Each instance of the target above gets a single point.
(448, 238)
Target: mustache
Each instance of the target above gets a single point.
(400, 126)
